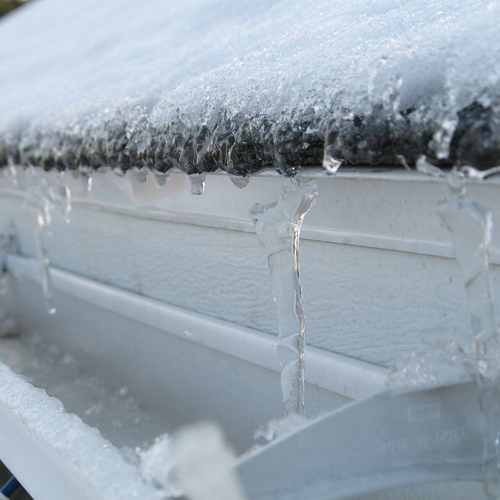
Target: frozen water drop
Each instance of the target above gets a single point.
(402, 161)
(239, 181)
(197, 183)
(428, 168)
(141, 174)
(119, 172)
(330, 163)
(161, 177)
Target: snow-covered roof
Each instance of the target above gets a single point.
(246, 84)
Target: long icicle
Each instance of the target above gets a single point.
(471, 226)
(278, 228)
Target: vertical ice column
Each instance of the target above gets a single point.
(38, 197)
(471, 226)
(278, 228)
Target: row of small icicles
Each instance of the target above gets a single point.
(278, 228)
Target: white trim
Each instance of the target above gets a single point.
(197, 212)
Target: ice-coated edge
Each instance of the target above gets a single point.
(81, 446)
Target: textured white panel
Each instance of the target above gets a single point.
(362, 299)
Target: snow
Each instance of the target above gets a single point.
(82, 446)
(211, 84)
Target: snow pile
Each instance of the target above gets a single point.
(202, 85)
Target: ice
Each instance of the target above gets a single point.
(83, 447)
(278, 229)
(471, 226)
(239, 182)
(197, 183)
(278, 428)
(444, 363)
(157, 465)
(160, 177)
(214, 84)
(40, 201)
(66, 192)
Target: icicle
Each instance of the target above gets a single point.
(13, 173)
(119, 172)
(278, 228)
(197, 183)
(471, 226)
(86, 173)
(43, 258)
(443, 136)
(141, 174)
(66, 192)
(428, 168)
(38, 198)
(161, 177)
(239, 181)
(402, 161)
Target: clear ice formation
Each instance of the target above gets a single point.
(197, 183)
(66, 194)
(239, 182)
(470, 224)
(39, 200)
(300, 75)
(278, 228)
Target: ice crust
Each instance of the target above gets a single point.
(82, 446)
(201, 85)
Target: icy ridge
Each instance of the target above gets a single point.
(245, 85)
(82, 446)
